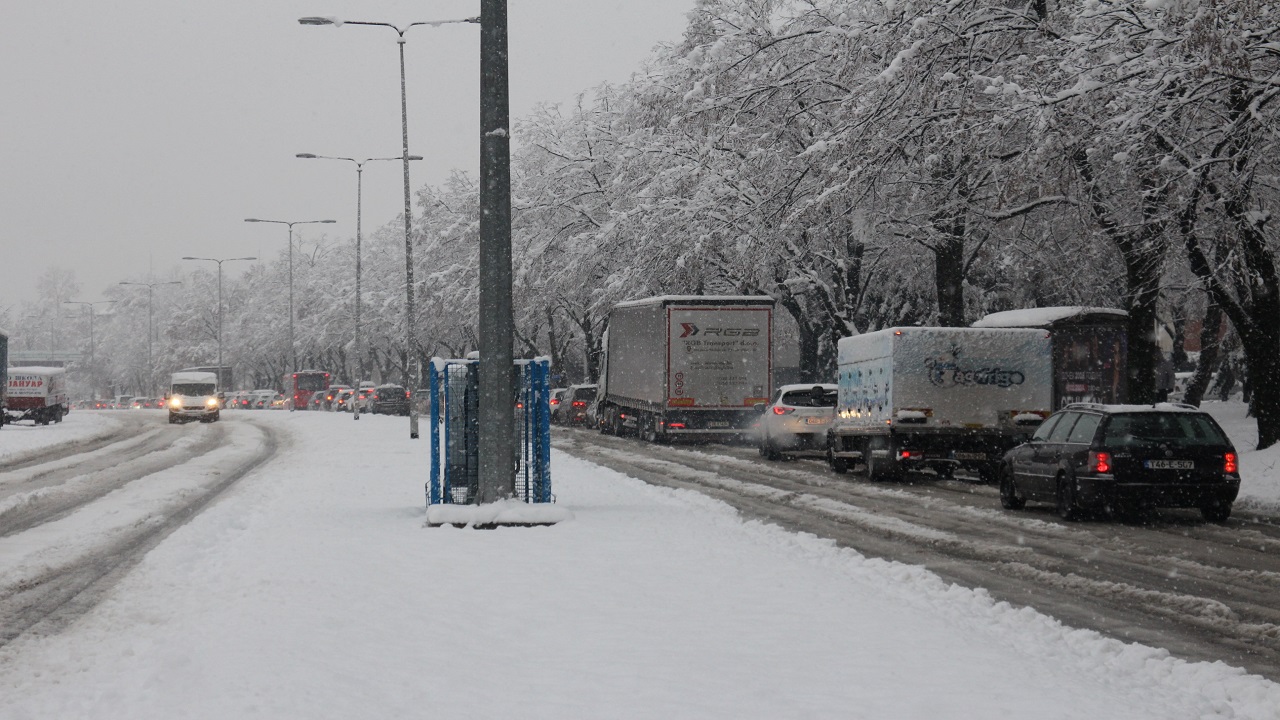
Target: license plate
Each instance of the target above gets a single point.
(815, 421)
(1169, 464)
(718, 424)
(971, 456)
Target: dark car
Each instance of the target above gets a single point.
(390, 400)
(1089, 456)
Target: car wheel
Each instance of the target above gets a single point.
(1009, 497)
(1216, 512)
(771, 451)
(1066, 496)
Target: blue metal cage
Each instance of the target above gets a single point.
(455, 428)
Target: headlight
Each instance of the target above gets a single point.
(175, 402)
(211, 402)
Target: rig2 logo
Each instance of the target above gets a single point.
(690, 330)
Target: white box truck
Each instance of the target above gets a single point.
(194, 396)
(686, 365)
(38, 394)
(941, 398)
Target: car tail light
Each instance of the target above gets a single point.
(554, 402)
(579, 403)
(676, 426)
(782, 410)
(904, 455)
(1229, 463)
(1100, 462)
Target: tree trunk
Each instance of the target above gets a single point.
(1209, 355)
(948, 268)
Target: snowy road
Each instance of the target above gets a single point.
(72, 519)
(1203, 591)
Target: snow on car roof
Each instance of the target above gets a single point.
(36, 370)
(1042, 317)
(1158, 407)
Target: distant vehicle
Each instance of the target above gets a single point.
(38, 394)
(686, 365)
(557, 403)
(342, 400)
(390, 400)
(1093, 456)
(796, 422)
(940, 398)
(299, 386)
(121, 402)
(332, 393)
(577, 400)
(261, 399)
(4, 378)
(364, 396)
(194, 396)
(279, 402)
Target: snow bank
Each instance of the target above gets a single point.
(1259, 471)
(22, 442)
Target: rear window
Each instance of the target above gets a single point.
(1063, 428)
(586, 394)
(1136, 429)
(810, 398)
(1086, 427)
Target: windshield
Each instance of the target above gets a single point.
(193, 389)
(1133, 429)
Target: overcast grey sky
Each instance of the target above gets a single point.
(133, 132)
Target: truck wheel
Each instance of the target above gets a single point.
(839, 465)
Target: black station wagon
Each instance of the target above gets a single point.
(1089, 456)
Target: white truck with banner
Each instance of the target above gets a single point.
(686, 365)
(194, 396)
(38, 394)
(941, 398)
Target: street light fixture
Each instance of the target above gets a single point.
(408, 246)
(93, 363)
(359, 191)
(221, 377)
(293, 354)
(151, 369)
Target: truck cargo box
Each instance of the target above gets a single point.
(940, 396)
(686, 364)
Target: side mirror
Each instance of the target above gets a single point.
(759, 408)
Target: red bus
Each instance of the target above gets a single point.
(299, 386)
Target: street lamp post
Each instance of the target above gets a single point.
(412, 376)
(359, 191)
(151, 370)
(93, 363)
(219, 261)
(293, 353)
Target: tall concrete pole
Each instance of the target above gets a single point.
(497, 391)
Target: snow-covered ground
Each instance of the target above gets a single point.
(314, 590)
(1259, 470)
(24, 440)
